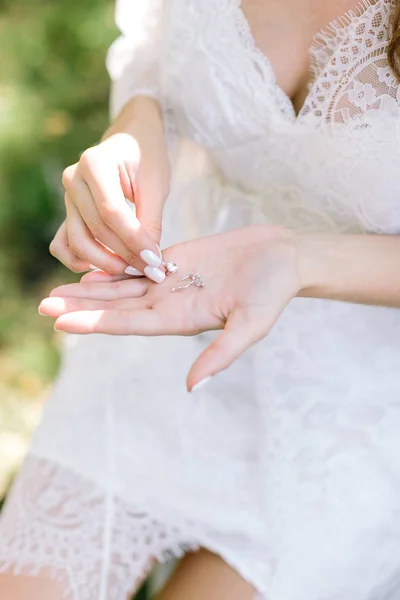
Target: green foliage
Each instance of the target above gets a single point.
(53, 104)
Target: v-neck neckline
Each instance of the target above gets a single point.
(337, 25)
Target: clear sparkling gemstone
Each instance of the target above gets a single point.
(171, 267)
(199, 280)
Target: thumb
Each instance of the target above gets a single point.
(241, 331)
(149, 202)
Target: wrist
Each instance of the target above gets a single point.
(141, 113)
(316, 256)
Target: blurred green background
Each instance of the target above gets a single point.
(53, 105)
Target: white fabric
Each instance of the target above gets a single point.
(133, 59)
(288, 464)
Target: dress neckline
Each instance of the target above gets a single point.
(320, 42)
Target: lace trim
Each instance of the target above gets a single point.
(53, 525)
(347, 58)
(324, 45)
(326, 40)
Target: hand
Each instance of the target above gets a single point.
(250, 276)
(100, 229)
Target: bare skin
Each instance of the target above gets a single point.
(203, 576)
(200, 575)
(284, 32)
(22, 587)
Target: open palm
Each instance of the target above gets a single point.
(250, 276)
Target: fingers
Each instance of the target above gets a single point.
(102, 277)
(149, 202)
(96, 189)
(82, 243)
(129, 288)
(55, 307)
(242, 330)
(60, 249)
(104, 183)
(115, 322)
(83, 200)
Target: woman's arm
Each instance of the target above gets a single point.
(355, 268)
(139, 112)
(250, 275)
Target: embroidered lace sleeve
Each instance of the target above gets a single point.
(132, 60)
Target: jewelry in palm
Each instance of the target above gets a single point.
(191, 279)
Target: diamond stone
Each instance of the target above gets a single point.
(171, 267)
(199, 280)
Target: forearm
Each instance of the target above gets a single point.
(354, 268)
(140, 112)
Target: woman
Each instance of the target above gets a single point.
(284, 467)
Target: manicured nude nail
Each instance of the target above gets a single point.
(150, 258)
(159, 251)
(55, 329)
(132, 271)
(154, 274)
(93, 268)
(201, 384)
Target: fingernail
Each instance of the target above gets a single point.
(133, 271)
(55, 329)
(154, 274)
(201, 384)
(150, 258)
(93, 268)
(159, 251)
(40, 312)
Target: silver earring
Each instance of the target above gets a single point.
(197, 280)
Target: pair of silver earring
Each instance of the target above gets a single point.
(186, 282)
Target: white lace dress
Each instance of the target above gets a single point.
(288, 464)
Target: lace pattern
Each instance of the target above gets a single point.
(350, 67)
(315, 170)
(53, 525)
(350, 73)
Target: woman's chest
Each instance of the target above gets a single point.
(341, 150)
(227, 77)
(284, 32)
